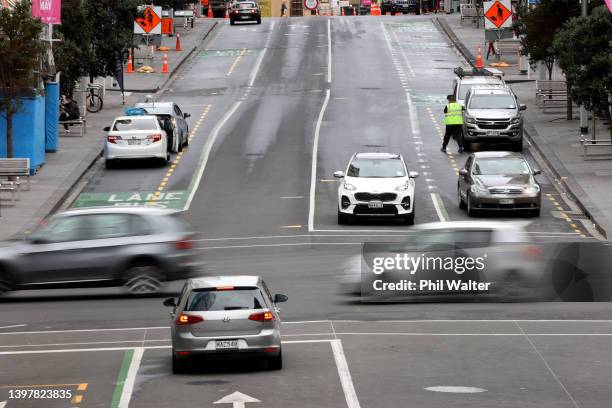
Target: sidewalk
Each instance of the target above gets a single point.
(586, 180)
(63, 169)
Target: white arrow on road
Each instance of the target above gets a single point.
(236, 398)
(2, 404)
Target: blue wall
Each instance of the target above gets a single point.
(28, 132)
(52, 98)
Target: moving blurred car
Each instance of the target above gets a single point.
(376, 185)
(136, 137)
(498, 181)
(245, 11)
(174, 122)
(226, 316)
(492, 115)
(400, 6)
(137, 247)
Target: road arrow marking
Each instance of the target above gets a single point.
(237, 399)
(2, 404)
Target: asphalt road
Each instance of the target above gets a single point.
(268, 106)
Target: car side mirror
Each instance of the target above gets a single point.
(536, 172)
(170, 302)
(413, 174)
(186, 115)
(338, 174)
(279, 298)
(107, 129)
(463, 173)
(522, 107)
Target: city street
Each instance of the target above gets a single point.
(275, 109)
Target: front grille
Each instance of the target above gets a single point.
(506, 190)
(362, 209)
(495, 124)
(371, 196)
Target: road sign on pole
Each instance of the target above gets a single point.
(311, 4)
(497, 14)
(150, 22)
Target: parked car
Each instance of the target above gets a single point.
(136, 137)
(498, 181)
(492, 116)
(376, 185)
(225, 316)
(173, 120)
(400, 6)
(245, 11)
(137, 247)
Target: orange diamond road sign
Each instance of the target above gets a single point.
(150, 22)
(498, 14)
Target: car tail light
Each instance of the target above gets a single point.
(532, 253)
(113, 139)
(184, 319)
(184, 244)
(154, 138)
(262, 317)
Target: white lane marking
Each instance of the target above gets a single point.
(260, 58)
(291, 197)
(438, 205)
(547, 365)
(329, 52)
(455, 389)
(345, 374)
(206, 152)
(130, 380)
(313, 167)
(278, 245)
(408, 65)
(12, 326)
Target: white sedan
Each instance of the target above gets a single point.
(135, 137)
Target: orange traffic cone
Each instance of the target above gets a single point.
(165, 68)
(178, 43)
(130, 65)
(342, 11)
(210, 13)
(479, 63)
(226, 13)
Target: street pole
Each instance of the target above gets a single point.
(584, 117)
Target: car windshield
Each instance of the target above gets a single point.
(213, 299)
(378, 168)
(463, 90)
(247, 5)
(500, 166)
(146, 123)
(158, 110)
(492, 101)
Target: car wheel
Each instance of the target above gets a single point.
(343, 219)
(471, 211)
(467, 146)
(6, 282)
(259, 21)
(409, 219)
(460, 200)
(276, 362)
(535, 213)
(232, 22)
(143, 279)
(186, 141)
(179, 366)
(110, 164)
(517, 146)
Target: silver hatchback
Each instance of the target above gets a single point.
(225, 316)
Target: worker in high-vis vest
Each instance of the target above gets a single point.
(453, 120)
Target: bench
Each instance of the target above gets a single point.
(81, 121)
(549, 88)
(8, 187)
(469, 12)
(508, 47)
(587, 143)
(16, 168)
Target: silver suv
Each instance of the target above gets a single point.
(492, 115)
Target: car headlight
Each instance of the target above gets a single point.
(469, 119)
(515, 120)
(402, 187)
(349, 187)
(477, 188)
(534, 189)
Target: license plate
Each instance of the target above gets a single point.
(226, 344)
(492, 133)
(133, 142)
(245, 16)
(375, 204)
(506, 201)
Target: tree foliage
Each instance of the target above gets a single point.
(20, 62)
(537, 27)
(584, 47)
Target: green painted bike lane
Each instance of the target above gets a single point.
(167, 199)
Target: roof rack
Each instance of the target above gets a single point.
(460, 72)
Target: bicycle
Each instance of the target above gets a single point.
(94, 100)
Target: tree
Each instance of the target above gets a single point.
(20, 52)
(537, 27)
(584, 46)
(173, 4)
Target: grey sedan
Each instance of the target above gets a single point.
(226, 316)
(498, 181)
(137, 247)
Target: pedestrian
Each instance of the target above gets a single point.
(284, 8)
(491, 49)
(69, 110)
(453, 120)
